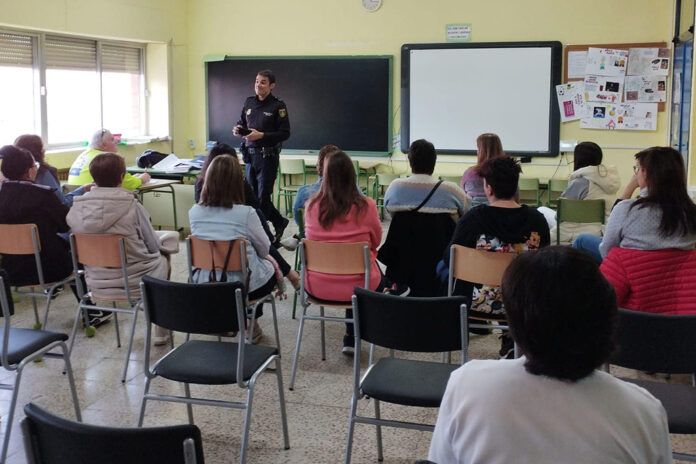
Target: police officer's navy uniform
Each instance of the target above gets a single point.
(269, 116)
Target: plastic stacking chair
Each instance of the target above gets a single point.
(381, 182)
(578, 211)
(206, 309)
(454, 179)
(23, 239)
(478, 267)
(424, 325)
(50, 439)
(211, 254)
(103, 251)
(554, 189)
(286, 188)
(529, 191)
(327, 258)
(662, 343)
(21, 347)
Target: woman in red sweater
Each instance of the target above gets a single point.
(338, 212)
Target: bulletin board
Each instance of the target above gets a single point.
(617, 46)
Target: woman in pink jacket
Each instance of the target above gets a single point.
(338, 212)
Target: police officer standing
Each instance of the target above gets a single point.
(264, 125)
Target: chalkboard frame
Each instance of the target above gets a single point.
(555, 79)
(388, 147)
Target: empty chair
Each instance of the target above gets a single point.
(287, 168)
(104, 251)
(23, 239)
(49, 439)
(425, 325)
(578, 216)
(529, 191)
(554, 189)
(381, 182)
(662, 343)
(21, 347)
(206, 309)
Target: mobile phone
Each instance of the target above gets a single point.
(242, 131)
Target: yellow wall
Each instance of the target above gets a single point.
(162, 21)
(342, 27)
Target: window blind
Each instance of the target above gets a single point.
(121, 59)
(70, 53)
(16, 50)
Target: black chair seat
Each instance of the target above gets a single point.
(24, 342)
(678, 400)
(220, 366)
(319, 302)
(407, 382)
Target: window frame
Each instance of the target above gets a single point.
(39, 68)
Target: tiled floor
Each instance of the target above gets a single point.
(317, 408)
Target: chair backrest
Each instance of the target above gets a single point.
(580, 211)
(426, 325)
(453, 179)
(193, 308)
(292, 166)
(557, 185)
(336, 258)
(656, 342)
(19, 239)
(477, 266)
(383, 180)
(299, 219)
(99, 250)
(529, 191)
(203, 254)
(50, 439)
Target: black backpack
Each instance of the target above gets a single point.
(149, 158)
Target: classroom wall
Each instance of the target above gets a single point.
(159, 21)
(342, 27)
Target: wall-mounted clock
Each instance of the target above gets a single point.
(371, 5)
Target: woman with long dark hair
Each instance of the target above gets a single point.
(338, 212)
(663, 216)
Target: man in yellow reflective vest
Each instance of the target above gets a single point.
(102, 141)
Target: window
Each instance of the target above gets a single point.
(76, 87)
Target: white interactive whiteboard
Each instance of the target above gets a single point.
(451, 93)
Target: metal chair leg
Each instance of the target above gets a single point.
(10, 416)
(118, 330)
(281, 398)
(141, 417)
(323, 335)
(351, 428)
(296, 356)
(378, 416)
(36, 310)
(130, 344)
(189, 406)
(71, 381)
(247, 423)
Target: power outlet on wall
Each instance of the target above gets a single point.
(191, 144)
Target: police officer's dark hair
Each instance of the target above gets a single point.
(224, 183)
(422, 157)
(267, 73)
(561, 312)
(107, 169)
(586, 154)
(502, 174)
(16, 162)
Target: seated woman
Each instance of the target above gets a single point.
(249, 199)
(590, 180)
(110, 209)
(47, 175)
(488, 146)
(663, 216)
(222, 215)
(338, 212)
(562, 314)
(22, 201)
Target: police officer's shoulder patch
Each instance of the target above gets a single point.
(248, 111)
(282, 112)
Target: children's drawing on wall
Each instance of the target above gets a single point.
(646, 89)
(571, 101)
(606, 62)
(637, 116)
(605, 89)
(648, 62)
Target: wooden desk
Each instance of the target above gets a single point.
(163, 186)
